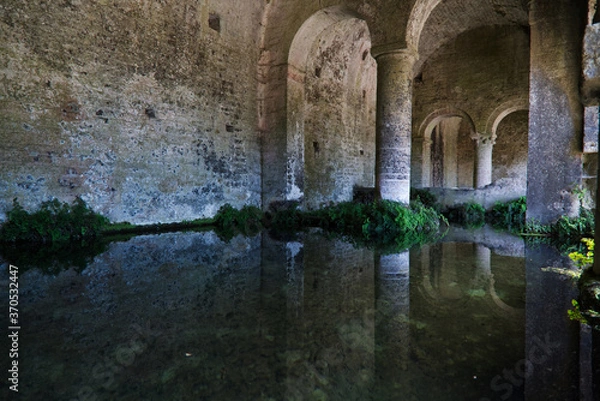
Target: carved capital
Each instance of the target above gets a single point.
(483, 138)
(394, 50)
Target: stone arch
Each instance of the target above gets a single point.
(506, 108)
(311, 29)
(329, 138)
(424, 145)
(417, 19)
(508, 127)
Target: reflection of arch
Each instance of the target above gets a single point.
(426, 288)
(483, 279)
(504, 308)
(328, 98)
(426, 164)
(502, 111)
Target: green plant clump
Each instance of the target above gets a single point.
(469, 214)
(382, 221)
(230, 221)
(286, 217)
(589, 287)
(54, 222)
(584, 260)
(576, 313)
(509, 215)
(425, 197)
(568, 229)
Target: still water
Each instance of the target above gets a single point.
(186, 316)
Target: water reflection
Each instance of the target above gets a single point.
(187, 317)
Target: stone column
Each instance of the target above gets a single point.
(483, 166)
(555, 111)
(394, 122)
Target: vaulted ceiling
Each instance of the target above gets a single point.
(453, 17)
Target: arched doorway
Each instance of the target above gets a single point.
(444, 151)
(509, 158)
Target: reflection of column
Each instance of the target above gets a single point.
(393, 306)
(394, 115)
(272, 314)
(295, 280)
(586, 363)
(551, 344)
(596, 361)
(446, 275)
(483, 168)
(294, 269)
(483, 274)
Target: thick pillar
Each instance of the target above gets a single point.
(555, 109)
(394, 123)
(483, 167)
(591, 95)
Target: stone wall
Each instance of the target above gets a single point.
(144, 109)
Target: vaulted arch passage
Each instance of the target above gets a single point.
(331, 91)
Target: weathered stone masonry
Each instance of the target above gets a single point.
(145, 109)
